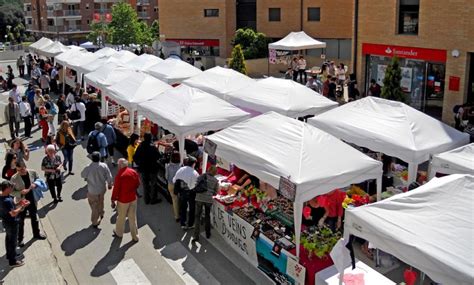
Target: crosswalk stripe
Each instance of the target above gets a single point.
(127, 272)
(186, 265)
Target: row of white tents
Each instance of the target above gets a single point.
(274, 145)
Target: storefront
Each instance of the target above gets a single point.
(423, 73)
(203, 47)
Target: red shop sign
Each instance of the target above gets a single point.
(194, 42)
(405, 52)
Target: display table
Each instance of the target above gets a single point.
(330, 276)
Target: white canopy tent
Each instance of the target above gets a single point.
(219, 81)
(173, 71)
(136, 88)
(143, 62)
(52, 50)
(271, 146)
(108, 75)
(124, 56)
(297, 41)
(66, 56)
(98, 63)
(89, 45)
(456, 161)
(392, 128)
(184, 110)
(286, 97)
(41, 43)
(106, 51)
(430, 228)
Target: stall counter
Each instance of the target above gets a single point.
(330, 276)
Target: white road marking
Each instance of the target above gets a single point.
(186, 265)
(127, 272)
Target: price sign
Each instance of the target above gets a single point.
(287, 188)
(296, 271)
(210, 147)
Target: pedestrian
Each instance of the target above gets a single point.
(43, 115)
(15, 94)
(53, 79)
(36, 73)
(70, 99)
(44, 82)
(332, 88)
(9, 169)
(97, 141)
(51, 165)
(98, 177)
(26, 115)
(294, 67)
(324, 72)
(458, 111)
(111, 137)
(13, 117)
(28, 61)
(30, 96)
(62, 108)
(374, 90)
(77, 113)
(24, 184)
(20, 64)
(10, 77)
(302, 69)
(206, 187)
(124, 197)
(92, 111)
(341, 74)
(52, 112)
(18, 147)
(186, 178)
(133, 143)
(10, 212)
(332, 69)
(147, 156)
(171, 169)
(66, 142)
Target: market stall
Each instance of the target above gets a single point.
(300, 161)
(143, 62)
(130, 91)
(286, 97)
(52, 50)
(188, 111)
(41, 43)
(219, 81)
(173, 71)
(392, 128)
(429, 228)
(106, 51)
(456, 161)
(124, 56)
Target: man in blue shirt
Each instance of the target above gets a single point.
(9, 212)
(101, 140)
(111, 137)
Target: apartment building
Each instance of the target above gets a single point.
(69, 20)
(433, 40)
(209, 25)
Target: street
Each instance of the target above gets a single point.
(81, 254)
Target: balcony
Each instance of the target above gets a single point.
(143, 14)
(143, 2)
(106, 1)
(103, 11)
(28, 13)
(72, 13)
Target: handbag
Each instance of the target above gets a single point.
(75, 115)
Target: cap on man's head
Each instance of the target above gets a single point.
(98, 126)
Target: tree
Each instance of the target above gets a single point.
(237, 62)
(392, 89)
(155, 29)
(254, 45)
(145, 34)
(11, 14)
(99, 33)
(124, 27)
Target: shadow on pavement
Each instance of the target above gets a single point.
(79, 240)
(112, 258)
(46, 208)
(80, 194)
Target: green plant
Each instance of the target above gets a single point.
(392, 89)
(237, 62)
(253, 44)
(319, 243)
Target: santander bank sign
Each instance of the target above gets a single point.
(436, 55)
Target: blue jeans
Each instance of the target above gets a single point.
(68, 154)
(11, 231)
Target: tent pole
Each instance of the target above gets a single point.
(132, 121)
(412, 170)
(64, 79)
(379, 188)
(298, 211)
(181, 149)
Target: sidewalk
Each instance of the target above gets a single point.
(41, 265)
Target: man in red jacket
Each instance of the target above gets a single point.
(124, 196)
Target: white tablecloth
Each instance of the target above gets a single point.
(330, 276)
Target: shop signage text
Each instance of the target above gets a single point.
(405, 52)
(235, 232)
(196, 42)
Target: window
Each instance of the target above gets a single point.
(274, 14)
(408, 12)
(314, 14)
(29, 21)
(211, 12)
(50, 22)
(88, 22)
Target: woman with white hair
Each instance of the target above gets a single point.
(51, 165)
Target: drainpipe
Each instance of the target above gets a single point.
(354, 39)
(301, 15)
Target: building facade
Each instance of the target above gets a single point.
(433, 40)
(69, 20)
(214, 22)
